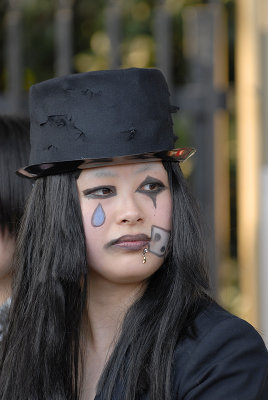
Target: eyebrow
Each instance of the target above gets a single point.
(149, 179)
(143, 168)
(108, 173)
(104, 173)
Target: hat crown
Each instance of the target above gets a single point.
(100, 114)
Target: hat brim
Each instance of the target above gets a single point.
(44, 169)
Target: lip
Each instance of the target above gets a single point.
(130, 242)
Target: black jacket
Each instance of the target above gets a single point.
(227, 361)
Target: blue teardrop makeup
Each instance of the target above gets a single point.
(98, 217)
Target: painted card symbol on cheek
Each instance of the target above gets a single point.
(159, 241)
(98, 217)
(157, 237)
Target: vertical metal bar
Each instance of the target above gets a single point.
(199, 52)
(248, 154)
(162, 35)
(113, 28)
(14, 56)
(63, 24)
(201, 33)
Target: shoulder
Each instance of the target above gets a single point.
(226, 359)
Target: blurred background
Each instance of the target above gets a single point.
(214, 55)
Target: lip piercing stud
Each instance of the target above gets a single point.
(144, 251)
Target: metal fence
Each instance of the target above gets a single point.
(202, 100)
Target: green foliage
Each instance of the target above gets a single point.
(91, 44)
(2, 46)
(37, 20)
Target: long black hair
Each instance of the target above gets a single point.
(41, 349)
(14, 152)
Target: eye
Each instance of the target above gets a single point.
(100, 192)
(152, 187)
(103, 191)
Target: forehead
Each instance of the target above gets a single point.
(129, 170)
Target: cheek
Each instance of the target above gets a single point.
(94, 219)
(161, 227)
(163, 213)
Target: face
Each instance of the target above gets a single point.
(7, 247)
(125, 209)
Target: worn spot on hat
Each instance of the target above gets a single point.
(51, 146)
(80, 134)
(91, 93)
(63, 120)
(56, 120)
(131, 133)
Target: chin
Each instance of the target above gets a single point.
(131, 272)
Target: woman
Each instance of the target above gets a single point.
(14, 151)
(111, 263)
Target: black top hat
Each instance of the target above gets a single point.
(100, 118)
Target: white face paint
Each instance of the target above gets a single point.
(125, 208)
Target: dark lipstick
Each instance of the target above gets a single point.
(130, 242)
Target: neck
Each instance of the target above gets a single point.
(5, 288)
(107, 305)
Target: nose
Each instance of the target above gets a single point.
(129, 211)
